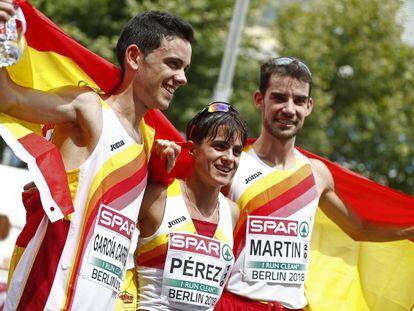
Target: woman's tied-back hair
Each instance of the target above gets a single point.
(147, 29)
(205, 125)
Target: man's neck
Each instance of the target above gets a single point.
(129, 112)
(275, 152)
(126, 107)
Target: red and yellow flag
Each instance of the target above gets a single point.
(349, 275)
(344, 274)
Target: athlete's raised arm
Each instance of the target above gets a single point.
(57, 106)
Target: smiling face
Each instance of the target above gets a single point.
(162, 72)
(216, 160)
(284, 106)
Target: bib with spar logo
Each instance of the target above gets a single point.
(196, 269)
(109, 249)
(277, 250)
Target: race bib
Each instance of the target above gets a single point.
(196, 270)
(277, 250)
(109, 247)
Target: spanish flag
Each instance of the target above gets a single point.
(344, 274)
(349, 275)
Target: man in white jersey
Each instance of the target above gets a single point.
(278, 190)
(105, 146)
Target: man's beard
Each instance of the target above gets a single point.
(280, 134)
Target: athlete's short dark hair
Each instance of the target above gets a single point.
(206, 124)
(282, 67)
(147, 29)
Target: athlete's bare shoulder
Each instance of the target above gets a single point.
(235, 211)
(87, 108)
(323, 177)
(154, 199)
(82, 98)
(152, 209)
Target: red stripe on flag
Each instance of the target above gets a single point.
(165, 130)
(42, 274)
(368, 199)
(50, 164)
(34, 215)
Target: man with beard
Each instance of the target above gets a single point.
(278, 190)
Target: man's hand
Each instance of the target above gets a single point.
(30, 187)
(4, 227)
(167, 150)
(6, 10)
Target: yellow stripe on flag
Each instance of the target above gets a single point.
(18, 128)
(51, 71)
(358, 276)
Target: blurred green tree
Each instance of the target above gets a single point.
(363, 84)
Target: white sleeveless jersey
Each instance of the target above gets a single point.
(272, 236)
(153, 253)
(79, 263)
